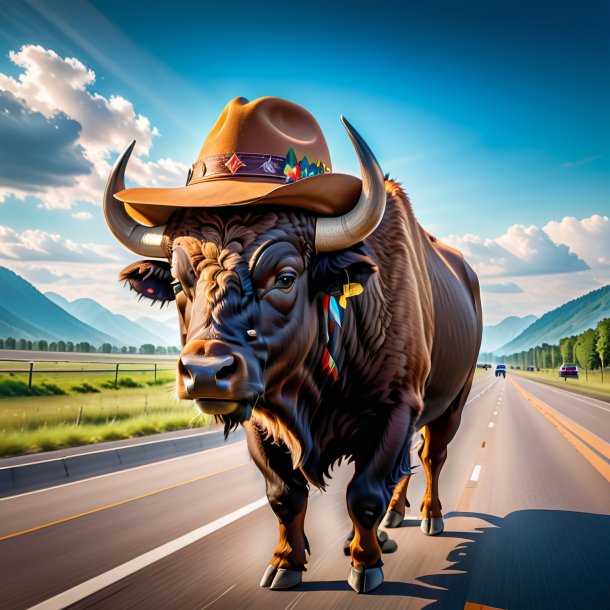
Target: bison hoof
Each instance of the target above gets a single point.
(385, 542)
(286, 579)
(363, 580)
(281, 578)
(432, 526)
(392, 519)
(268, 576)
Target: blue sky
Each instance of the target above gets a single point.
(493, 115)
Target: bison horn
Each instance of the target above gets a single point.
(140, 239)
(344, 231)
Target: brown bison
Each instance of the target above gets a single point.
(315, 312)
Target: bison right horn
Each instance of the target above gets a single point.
(142, 240)
(345, 231)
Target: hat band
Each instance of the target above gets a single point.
(254, 165)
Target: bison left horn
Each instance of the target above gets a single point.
(142, 240)
(344, 231)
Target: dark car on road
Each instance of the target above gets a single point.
(501, 370)
(568, 370)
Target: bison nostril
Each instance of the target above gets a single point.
(227, 370)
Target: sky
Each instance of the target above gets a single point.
(495, 117)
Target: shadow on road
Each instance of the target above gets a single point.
(530, 559)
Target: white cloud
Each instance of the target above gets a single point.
(502, 288)
(36, 245)
(521, 251)
(61, 87)
(82, 215)
(589, 238)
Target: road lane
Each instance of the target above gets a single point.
(591, 413)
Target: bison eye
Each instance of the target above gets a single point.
(285, 280)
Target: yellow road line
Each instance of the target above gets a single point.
(571, 432)
(101, 508)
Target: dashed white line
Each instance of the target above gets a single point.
(476, 471)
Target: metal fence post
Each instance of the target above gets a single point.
(116, 376)
(155, 373)
(31, 373)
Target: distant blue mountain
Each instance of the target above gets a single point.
(25, 313)
(97, 316)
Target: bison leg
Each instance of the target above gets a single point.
(366, 501)
(287, 491)
(433, 453)
(398, 504)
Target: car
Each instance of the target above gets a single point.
(568, 370)
(484, 366)
(501, 370)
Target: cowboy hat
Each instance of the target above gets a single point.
(269, 151)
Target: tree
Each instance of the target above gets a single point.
(69, 346)
(566, 348)
(602, 344)
(584, 348)
(43, 346)
(124, 350)
(61, 346)
(106, 348)
(53, 346)
(160, 350)
(147, 348)
(133, 349)
(22, 344)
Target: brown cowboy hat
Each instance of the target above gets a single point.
(268, 151)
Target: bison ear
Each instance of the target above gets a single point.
(329, 271)
(150, 279)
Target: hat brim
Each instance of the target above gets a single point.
(326, 194)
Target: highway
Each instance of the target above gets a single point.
(525, 492)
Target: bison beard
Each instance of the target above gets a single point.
(401, 363)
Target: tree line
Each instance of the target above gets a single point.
(84, 347)
(590, 351)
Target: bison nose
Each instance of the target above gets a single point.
(213, 370)
(208, 372)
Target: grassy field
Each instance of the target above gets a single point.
(592, 386)
(82, 408)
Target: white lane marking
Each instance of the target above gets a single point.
(476, 471)
(473, 398)
(568, 394)
(491, 424)
(495, 412)
(221, 595)
(110, 474)
(89, 587)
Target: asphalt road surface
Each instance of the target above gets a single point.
(525, 492)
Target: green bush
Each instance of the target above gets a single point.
(85, 388)
(10, 388)
(123, 382)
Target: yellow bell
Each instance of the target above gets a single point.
(350, 290)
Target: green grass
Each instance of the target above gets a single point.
(592, 386)
(45, 417)
(62, 436)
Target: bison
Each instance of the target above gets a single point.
(326, 332)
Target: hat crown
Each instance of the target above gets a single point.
(269, 126)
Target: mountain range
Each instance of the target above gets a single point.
(571, 318)
(26, 313)
(145, 330)
(503, 332)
